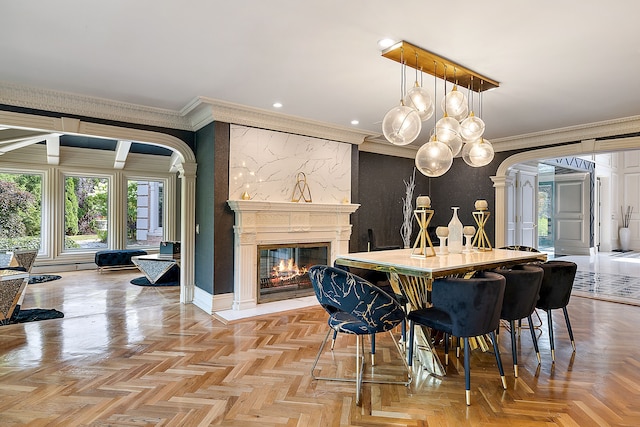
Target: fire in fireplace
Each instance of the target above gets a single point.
(282, 269)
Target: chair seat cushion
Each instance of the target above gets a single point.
(346, 323)
(433, 318)
(114, 257)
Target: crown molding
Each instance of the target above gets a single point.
(202, 111)
(195, 115)
(622, 126)
(82, 105)
(378, 146)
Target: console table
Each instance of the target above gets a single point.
(155, 267)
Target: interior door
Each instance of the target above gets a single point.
(527, 209)
(571, 214)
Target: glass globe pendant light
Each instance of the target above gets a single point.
(478, 153)
(455, 104)
(448, 131)
(420, 99)
(434, 158)
(472, 127)
(401, 125)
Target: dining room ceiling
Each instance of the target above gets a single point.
(559, 64)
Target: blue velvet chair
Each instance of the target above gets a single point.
(463, 308)
(555, 292)
(520, 298)
(357, 307)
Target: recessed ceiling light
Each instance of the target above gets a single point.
(355, 122)
(277, 105)
(385, 43)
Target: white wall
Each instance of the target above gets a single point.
(266, 164)
(629, 193)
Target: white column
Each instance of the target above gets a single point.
(245, 260)
(499, 183)
(187, 231)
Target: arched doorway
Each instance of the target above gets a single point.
(183, 162)
(502, 180)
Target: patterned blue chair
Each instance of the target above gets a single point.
(463, 308)
(380, 280)
(355, 307)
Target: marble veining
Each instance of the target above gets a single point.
(266, 164)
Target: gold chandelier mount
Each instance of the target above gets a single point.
(437, 66)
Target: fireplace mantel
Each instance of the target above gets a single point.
(267, 222)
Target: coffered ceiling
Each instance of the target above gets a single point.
(559, 64)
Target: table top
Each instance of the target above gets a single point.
(158, 257)
(401, 261)
(12, 274)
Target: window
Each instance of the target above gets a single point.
(145, 212)
(86, 201)
(20, 211)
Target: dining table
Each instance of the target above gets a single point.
(412, 276)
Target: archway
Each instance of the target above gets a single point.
(185, 164)
(501, 179)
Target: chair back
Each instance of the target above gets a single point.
(520, 248)
(557, 284)
(340, 291)
(472, 304)
(521, 291)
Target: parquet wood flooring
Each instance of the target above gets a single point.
(134, 356)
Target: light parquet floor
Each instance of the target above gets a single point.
(134, 356)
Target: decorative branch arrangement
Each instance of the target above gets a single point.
(407, 210)
(626, 216)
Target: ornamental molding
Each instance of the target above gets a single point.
(82, 105)
(589, 131)
(196, 114)
(202, 111)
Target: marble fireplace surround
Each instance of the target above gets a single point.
(267, 223)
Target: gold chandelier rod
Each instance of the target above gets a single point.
(428, 61)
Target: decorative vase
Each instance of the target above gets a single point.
(455, 233)
(625, 237)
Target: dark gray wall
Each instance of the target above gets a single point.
(380, 192)
(223, 215)
(214, 243)
(205, 153)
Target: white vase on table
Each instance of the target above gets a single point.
(455, 233)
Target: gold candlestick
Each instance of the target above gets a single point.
(481, 240)
(423, 247)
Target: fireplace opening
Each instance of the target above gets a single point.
(283, 269)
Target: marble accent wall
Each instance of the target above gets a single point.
(266, 164)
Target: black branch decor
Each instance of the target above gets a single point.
(626, 216)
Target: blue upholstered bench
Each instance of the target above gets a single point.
(116, 258)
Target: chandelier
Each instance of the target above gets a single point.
(459, 131)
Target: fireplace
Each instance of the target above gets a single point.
(263, 224)
(283, 269)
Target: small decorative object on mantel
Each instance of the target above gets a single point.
(468, 232)
(423, 247)
(245, 195)
(481, 215)
(443, 234)
(301, 189)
